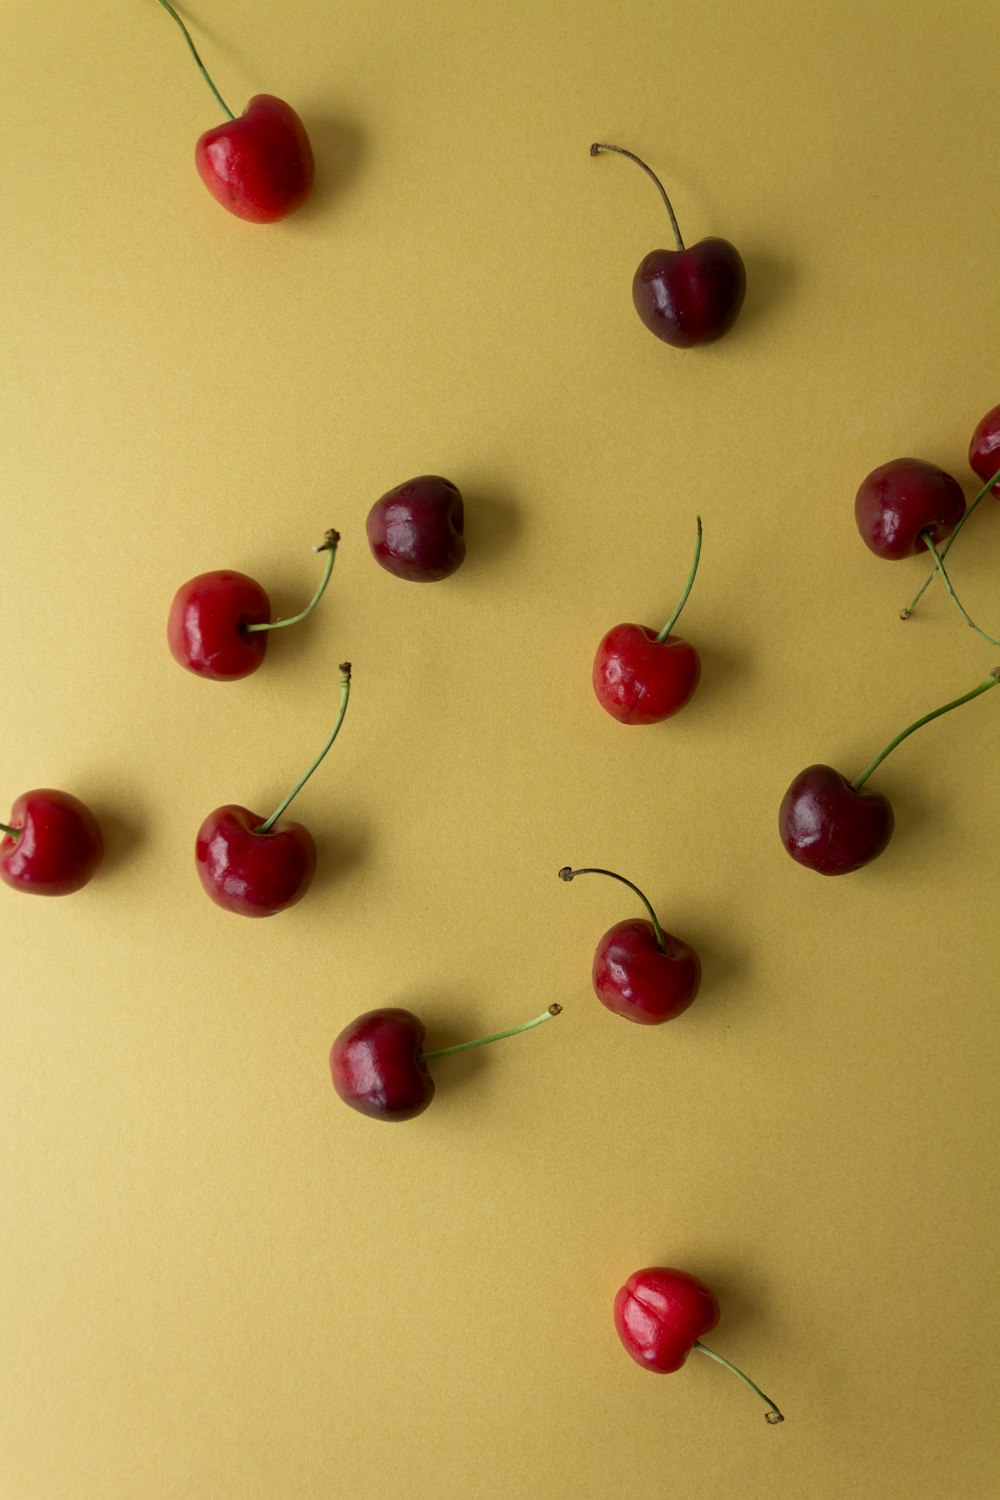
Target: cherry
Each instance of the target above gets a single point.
(218, 623)
(903, 504)
(415, 531)
(379, 1069)
(660, 1316)
(686, 296)
(52, 844)
(642, 676)
(984, 449)
(639, 971)
(260, 167)
(829, 824)
(258, 866)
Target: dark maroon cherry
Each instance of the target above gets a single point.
(691, 295)
(984, 449)
(902, 503)
(415, 531)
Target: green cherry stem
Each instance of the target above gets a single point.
(327, 545)
(498, 1036)
(773, 1415)
(345, 693)
(668, 627)
(990, 681)
(904, 614)
(12, 833)
(939, 565)
(566, 873)
(596, 150)
(194, 53)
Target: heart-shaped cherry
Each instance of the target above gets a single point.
(829, 824)
(219, 622)
(52, 844)
(639, 971)
(416, 530)
(661, 1314)
(258, 866)
(902, 504)
(379, 1069)
(643, 676)
(260, 167)
(691, 295)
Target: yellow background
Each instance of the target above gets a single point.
(217, 1283)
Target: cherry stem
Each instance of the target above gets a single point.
(498, 1036)
(194, 53)
(13, 833)
(774, 1416)
(566, 873)
(327, 545)
(991, 681)
(939, 565)
(904, 614)
(598, 147)
(345, 693)
(668, 627)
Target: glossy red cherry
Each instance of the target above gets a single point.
(691, 295)
(984, 449)
(661, 1314)
(901, 503)
(52, 844)
(639, 971)
(379, 1069)
(416, 530)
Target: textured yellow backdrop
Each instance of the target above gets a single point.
(216, 1282)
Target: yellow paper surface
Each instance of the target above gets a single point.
(216, 1282)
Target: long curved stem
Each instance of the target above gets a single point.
(599, 146)
(668, 627)
(498, 1036)
(329, 546)
(939, 565)
(773, 1415)
(991, 681)
(345, 693)
(194, 53)
(904, 614)
(567, 873)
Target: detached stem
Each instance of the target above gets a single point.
(668, 627)
(904, 614)
(498, 1036)
(329, 546)
(598, 147)
(991, 681)
(345, 693)
(774, 1416)
(566, 873)
(194, 53)
(939, 565)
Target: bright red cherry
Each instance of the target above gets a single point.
(661, 1315)
(984, 449)
(639, 971)
(259, 866)
(902, 503)
(52, 844)
(219, 622)
(691, 295)
(642, 676)
(379, 1069)
(416, 530)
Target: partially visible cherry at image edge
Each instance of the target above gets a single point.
(690, 295)
(416, 531)
(51, 845)
(260, 166)
(644, 676)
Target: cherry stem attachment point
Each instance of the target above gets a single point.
(773, 1415)
(566, 873)
(194, 53)
(991, 681)
(12, 833)
(327, 545)
(939, 565)
(498, 1036)
(345, 693)
(599, 146)
(904, 614)
(668, 627)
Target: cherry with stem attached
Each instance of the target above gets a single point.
(51, 845)
(939, 567)
(260, 167)
(379, 1068)
(639, 971)
(690, 295)
(642, 675)
(832, 825)
(258, 866)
